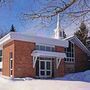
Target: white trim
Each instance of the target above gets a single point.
(11, 58)
(34, 61)
(78, 43)
(34, 39)
(58, 60)
(4, 40)
(45, 70)
(11, 68)
(41, 44)
(39, 53)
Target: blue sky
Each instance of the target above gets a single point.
(12, 13)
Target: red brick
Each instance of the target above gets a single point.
(80, 60)
(6, 62)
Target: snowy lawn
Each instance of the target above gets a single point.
(55, 84)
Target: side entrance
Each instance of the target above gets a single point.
(44, 68)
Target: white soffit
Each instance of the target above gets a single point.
(35, 39)
(38, 53)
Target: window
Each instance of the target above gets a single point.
(45, 48)
(42, 48)
(42, 65)
(11, 58)
(0, 55)
(53, 49)
(11, 63)
(37, 47)
(48, 48)
(11, 55)
(70, 52)
(48, 65)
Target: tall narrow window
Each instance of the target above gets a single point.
(70, 51)
(11, 63)
(0, 55)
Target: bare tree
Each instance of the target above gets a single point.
(71, 8)
(4, 2)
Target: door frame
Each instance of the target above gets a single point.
(45, 70)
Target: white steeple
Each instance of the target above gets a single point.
(58, 33)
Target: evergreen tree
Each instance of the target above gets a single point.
(12, 29)
(64, 34)
(82, 33)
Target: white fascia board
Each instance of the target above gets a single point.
(5, 39)
(48, 54)
(82, 46)
(68, 38)
(39, 40)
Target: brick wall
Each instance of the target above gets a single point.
(61, 69)
(69, 67)
(6, 58)
(80, 60)
(23, 63)
(22, 59)
(59, 49)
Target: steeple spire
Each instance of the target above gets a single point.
(59, 33)
(58, 22)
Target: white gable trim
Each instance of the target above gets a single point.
(75, 40)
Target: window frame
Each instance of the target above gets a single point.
(71, 57)
(51, 48)
(11, 63)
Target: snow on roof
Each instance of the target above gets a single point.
(74, 39)
(36, 39)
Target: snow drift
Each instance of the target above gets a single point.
(81, 76)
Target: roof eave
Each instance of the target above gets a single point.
(78, 43)
(5, 39)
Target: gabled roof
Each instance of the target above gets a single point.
(35, 39)
(75, 40)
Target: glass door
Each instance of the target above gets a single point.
(48, 68)
(45, 68)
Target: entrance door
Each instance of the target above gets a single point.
(45, 68)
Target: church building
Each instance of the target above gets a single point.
(40, 57)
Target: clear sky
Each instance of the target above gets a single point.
(12, 14)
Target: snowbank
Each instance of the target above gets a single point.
(81, 76)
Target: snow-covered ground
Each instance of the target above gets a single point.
(54, 84)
